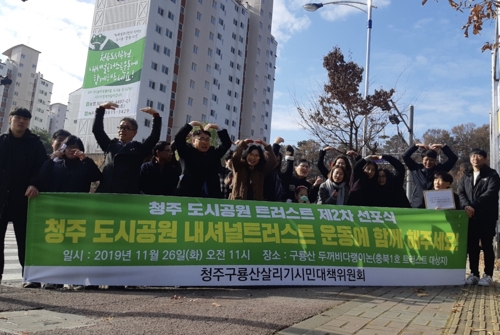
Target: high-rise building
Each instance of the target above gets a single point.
(204, 60)
(28, 89)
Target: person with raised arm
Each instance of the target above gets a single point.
(274, 190)
(363, 184)
(340, 160)
(123, 155)
(250, 167)
(391, 184)
(200, 161)
(423, 173)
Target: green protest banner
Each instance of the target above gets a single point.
(154, 240)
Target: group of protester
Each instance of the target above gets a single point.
(253, 171)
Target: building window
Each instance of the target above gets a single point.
(191, 84)
(233, 123)
(205, 101)
(203, 118)
(147, 123)
(212, 20)
(196, 32)
(190, 101)
(152, 84)
(198, 16)
(154, 66)
(158, 29)
(166, 51)
(188, 118)
(207, 85)
(163, 88)
(156, 47)
(193, 67)
(211, 36)
(209, 52)
(161, 11)
(195, 49)
(149, 103)
(170, 16)
(164, 69)
(168, 33)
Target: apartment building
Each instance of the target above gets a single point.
(206, 60)
(28, 89)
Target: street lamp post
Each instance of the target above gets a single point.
(311, 7)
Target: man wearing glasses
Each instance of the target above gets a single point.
(124, 156)
(200, 162)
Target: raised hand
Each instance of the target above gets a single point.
(109, 105)
(149, 110)
(352, 153)
(196, 124)
(328, 148)
(279, 140)
(436, 146)
(421, 145)
(261, 142)
(211, 126)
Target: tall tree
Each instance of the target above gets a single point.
(336, 116)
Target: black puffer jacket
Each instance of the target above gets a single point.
(68, 175)
(483, 196)
(122, 163)
(20, 160)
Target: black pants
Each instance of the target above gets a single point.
(484, 234)
(18, 216)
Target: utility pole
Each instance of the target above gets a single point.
(409, 181)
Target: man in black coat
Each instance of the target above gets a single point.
(124, 156)
(200, 162)
(423, 173)
(22, 154)
(478, 191)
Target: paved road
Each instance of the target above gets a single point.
(247, 310)
(12, 269)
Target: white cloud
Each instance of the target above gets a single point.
(60, 30)
(284, 118)
(288, 18)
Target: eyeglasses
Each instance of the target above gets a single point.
(203, 139)
(124, 128)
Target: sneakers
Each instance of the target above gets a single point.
(472, 279)
(52, 286)
(31, 285)
(486, 280)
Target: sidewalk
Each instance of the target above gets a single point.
(411, 311)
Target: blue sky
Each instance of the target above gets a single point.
(418, 50)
